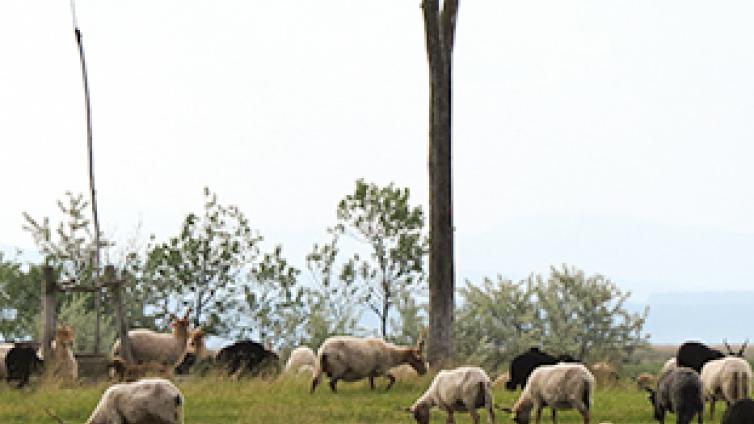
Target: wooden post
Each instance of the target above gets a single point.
(120, 313)
(49, 288)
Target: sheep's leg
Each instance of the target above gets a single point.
(315, 382)
(391, 382)
(490, 414)
(371, 382)
(450, 419)
(586, 415)
(538, 416)
(554, 416)
(333, 383)
(474, 415)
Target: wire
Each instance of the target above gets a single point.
(73, 15)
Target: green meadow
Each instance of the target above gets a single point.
(217, 401)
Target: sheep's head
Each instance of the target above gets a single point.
(196, 340)
(180, 325)
(64, 335)
(415, 358)
(420, 412)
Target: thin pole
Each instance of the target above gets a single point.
(85, 78)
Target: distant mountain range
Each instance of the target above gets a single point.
(709, 317)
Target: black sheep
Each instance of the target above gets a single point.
(20, 361)
(678, 391)
(741, 412)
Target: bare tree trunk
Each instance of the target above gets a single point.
(439, 26)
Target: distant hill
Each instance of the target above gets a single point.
(709, 317)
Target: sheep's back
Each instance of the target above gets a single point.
(299, 357)
(352, 357)
(458, 384)
(556, 384)
(147, 345)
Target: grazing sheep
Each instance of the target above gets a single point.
(741, 412)
(645, 380)
(604, 373)
(522, 365)
(560, 386)
(148, 401)
(353, 358)
(464, 389)
(727, 379)
(20, 361)
(695, 354)
(64, 362)
(246, 357)
(678, 391)
(669, 365)
(300, 356)
(149, 346)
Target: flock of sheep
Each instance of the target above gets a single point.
(696, 374)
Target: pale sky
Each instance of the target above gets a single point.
(611, 135)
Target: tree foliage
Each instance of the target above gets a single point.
(391, 231)
(568, 312)
(215, 266)
(20, 302)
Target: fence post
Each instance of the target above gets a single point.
(49, 288)
(120, 312)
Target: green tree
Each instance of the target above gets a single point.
(20, 302)
(566, 313)
(587, 316)
(215, 267)
(496, 321)
(391, 230)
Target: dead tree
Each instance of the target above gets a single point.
(439, 27)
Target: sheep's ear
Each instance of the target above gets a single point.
(186, 316)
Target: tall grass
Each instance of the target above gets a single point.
(216, 401)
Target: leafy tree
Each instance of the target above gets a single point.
(566, 313)
(587, 316)
(496, 321)
(70, 249)
(383, 221)
(411, 321)
(20, 302)
(215, 267)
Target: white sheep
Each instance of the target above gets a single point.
(561, 386)
(353, 358)
(149, 346)
(464, 389)
(147, 401)
(300, 356)
(65, 365)
(727, 379)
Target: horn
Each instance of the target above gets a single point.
(727, 346)
(743, 349)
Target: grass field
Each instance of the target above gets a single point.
(214, 401)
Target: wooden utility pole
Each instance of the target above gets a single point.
(93, 192)
(120, 312)
(49, 312)
(439, 27)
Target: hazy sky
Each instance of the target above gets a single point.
(611, 135)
